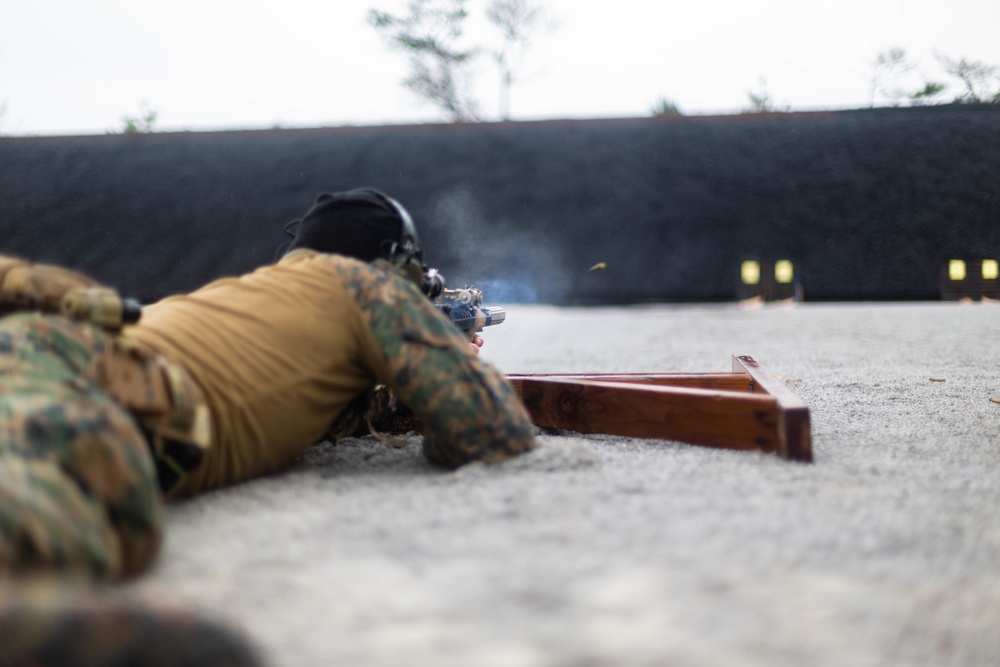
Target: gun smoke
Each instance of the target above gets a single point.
(513, 261)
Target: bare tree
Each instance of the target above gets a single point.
(430, 34)
(981, 81)
(888, 66)
(518, 21)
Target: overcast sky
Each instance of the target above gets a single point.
(78, 66)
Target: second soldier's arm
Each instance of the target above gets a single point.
(468, 409)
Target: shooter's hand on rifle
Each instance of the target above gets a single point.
(477, 342)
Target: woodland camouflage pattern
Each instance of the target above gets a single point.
(64, 624)
(78, 487)
(469, 410)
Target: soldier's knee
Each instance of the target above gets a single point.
(49, 524)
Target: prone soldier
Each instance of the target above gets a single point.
(102, 417)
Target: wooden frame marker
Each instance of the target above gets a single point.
(746, 409)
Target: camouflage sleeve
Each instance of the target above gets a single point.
(469, 410)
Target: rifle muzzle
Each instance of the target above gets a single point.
(472, 318)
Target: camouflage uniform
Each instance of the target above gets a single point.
(468, 409)
(78, 485)
(78, 489)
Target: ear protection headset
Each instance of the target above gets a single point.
(405, 253)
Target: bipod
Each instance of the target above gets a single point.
(747, 409)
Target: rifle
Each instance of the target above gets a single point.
(465, 308)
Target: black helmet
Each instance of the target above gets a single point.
(365, 224)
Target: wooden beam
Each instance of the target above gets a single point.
(733, 420)
(794, 427)
(747, 409)
(725, 381)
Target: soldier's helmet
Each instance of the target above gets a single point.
(365, 224)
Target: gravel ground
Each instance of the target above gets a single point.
(599, 550)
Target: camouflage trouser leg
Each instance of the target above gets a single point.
(78, 489)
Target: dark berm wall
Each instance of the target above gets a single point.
(868, 204)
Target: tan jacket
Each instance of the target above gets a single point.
(277, 353)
